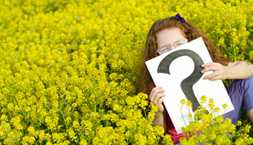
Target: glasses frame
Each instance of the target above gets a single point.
(169, 47)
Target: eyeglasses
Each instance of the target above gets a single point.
(169, 47)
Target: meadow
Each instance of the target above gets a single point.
(70, 69)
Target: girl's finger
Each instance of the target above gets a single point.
(215, 67)
(206, 64)
(155, 91)
(211, 68)
(210, 64)
(212, 76)
(161, 100)
(158, 97)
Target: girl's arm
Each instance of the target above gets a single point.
(156, 98)
(159, 119)
(234, 70)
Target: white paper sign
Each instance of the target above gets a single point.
(178, 72)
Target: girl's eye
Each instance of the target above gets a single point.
(180, 43)
(163, 50)
(168, 49)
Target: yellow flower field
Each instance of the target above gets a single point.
(69, 69)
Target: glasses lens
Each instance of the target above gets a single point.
(169, 47)
(164, 50)
(181, 42)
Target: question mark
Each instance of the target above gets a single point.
(188, 82)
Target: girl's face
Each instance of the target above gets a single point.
(170, 38)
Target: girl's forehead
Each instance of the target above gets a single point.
(169, 35)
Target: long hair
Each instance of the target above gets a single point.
(190, 32)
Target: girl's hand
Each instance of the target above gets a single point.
(156, 97)
(234, 70)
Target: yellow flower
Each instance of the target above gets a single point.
(16, 123)
(76, 124)
(31, 131)
(83, 142)
(42, 135)
(71, 133)
(28, 139)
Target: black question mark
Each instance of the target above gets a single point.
(188, 82)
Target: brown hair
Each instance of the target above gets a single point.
(190, 32)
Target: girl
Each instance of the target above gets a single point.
(171, 32)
